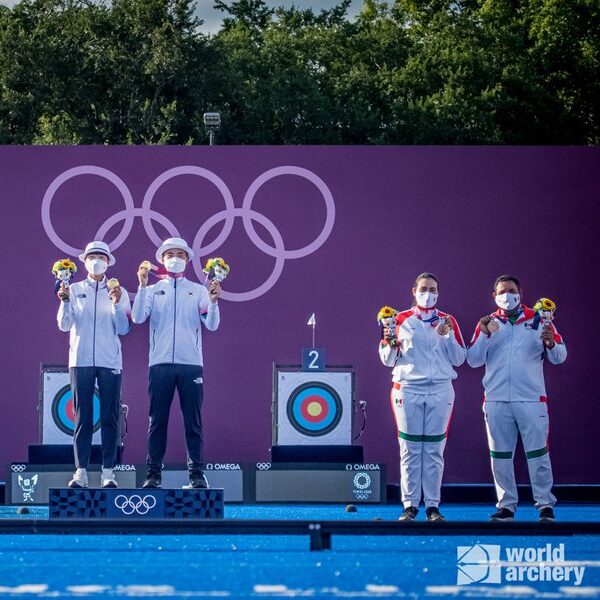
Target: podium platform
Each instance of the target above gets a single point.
(128, 504)
(249, 483)
(30, 484)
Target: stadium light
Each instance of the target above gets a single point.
(212, 124)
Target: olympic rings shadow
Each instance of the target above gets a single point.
(227, 216)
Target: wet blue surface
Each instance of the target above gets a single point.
(282, 566)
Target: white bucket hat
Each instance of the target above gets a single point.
(100, 248)
(171, 243)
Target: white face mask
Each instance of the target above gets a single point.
(96, 266)
(426, 299)
(175, 265)
(508, 301)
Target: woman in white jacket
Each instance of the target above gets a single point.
(422, 350)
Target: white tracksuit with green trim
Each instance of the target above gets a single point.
(422, 398)
(515, 401)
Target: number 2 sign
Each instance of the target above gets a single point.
(313, 359)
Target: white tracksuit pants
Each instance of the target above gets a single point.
(422, 421)
(504, 422)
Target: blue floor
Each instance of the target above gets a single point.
(282, 566)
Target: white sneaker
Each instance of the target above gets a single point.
(108, 479)
(80, 479)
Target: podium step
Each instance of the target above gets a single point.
(67, 503)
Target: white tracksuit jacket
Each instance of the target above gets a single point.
(514, 369)
(177, 307)
(422, 399)
(515, 401)
(424, 361)
(95, 324)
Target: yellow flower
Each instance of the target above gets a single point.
(63, 264)
(386, 312)
(544, 304)
(211, 263)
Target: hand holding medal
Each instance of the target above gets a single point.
(445, 326)
(114, 290)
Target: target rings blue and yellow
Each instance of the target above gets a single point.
(314, 408)
(63, 410)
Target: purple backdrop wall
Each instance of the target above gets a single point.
(465, 213)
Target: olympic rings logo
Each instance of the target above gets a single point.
(135, 504)
(362, 481)
(263, 466)
(227, 216)
(18, 468)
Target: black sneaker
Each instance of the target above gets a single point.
(504, 515)
(198, 480)
(433, 514)
(409, 514)
(153, 479)
(547, 514)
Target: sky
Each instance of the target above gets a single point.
(212, 18)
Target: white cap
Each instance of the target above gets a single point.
(100, 248)
(171, 243)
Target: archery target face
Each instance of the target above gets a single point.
(58, 412)
(63, 410)
(313, 408)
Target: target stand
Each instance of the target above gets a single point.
(313, 413)
(312, 408)
(57, 420)
(57, 408)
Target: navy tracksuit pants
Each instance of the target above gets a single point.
(83, 384)
(164, 380)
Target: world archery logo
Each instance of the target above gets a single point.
(227, 217)
(481, 563)
(478, 564)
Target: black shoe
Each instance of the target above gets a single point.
(409, 514)
(504, 515)
(433, 514)
(153, 479)
(198, 480)
(547, 514)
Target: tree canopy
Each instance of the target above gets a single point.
(401, 72)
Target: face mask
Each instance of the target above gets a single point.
(426, 299)
(175, 265)
(96, 266)
(508, 301)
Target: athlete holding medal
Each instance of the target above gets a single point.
(423, 349)
(177, 309)
(95, 312)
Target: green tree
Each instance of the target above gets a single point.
(401, 72)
